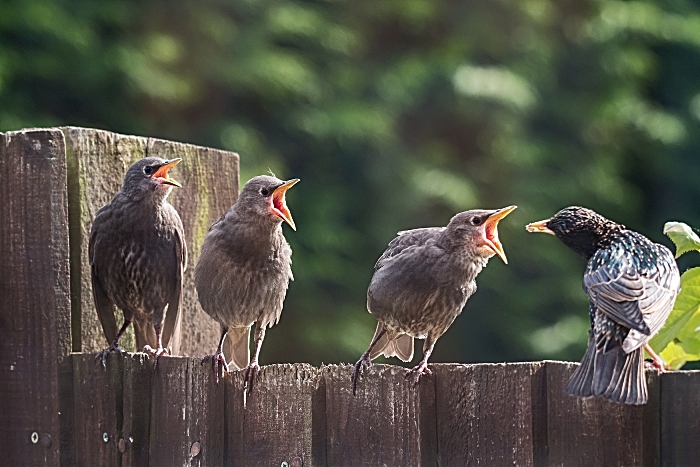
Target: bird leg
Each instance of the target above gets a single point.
(253, 366)
(114, 346)
(218, 361)
(365, 361)
(659, 364)
(158, 351)
(422, 367)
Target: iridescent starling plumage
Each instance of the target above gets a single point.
(423, 280)
(632, 284)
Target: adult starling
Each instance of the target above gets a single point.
(632, 284)
(423, 280)
(244, 270)
(138, 255)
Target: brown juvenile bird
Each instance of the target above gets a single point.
(244, 270)
(138, 255)
(422, 282)
(632, 284)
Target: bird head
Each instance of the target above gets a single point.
(264, 196)
(150, 176)
(480, 228)
(581, 229)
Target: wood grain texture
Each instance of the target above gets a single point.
(136, 411)
(279, 421)
(186, 408)
(680, 418)
(98, 161)
(386, 423)
(35, 330)
(595, 431)
(485, 414)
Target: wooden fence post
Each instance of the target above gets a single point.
(97, 162)
(35, 335)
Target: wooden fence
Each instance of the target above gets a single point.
(58, 407)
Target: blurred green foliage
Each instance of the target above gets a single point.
(395, 115)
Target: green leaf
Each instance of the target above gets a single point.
(675, 356)
(686, 307)
(683, 236)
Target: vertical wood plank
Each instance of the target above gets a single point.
(283, 419)
(35, 307)
(485, 414)
(134, 443)
(97, 409)
(680, 418)
(187, 415)
(385, 423)
(595, 431)
(98, 161)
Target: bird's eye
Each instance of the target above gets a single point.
(476, 220)
(148, 170)
(264, 191)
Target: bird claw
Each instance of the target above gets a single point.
(655, 365)
(360, 366)
(157, 353)
(218, 364)
(417, 371)
(250, 374)
(102, 354)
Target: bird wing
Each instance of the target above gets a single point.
(407, 240)
(633, 282)
(171, 325)
(103, 305)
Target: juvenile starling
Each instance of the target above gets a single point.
(423, 280)
(138, 254)
(631, 284)
(244, 270)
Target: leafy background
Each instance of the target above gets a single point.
(395, 114)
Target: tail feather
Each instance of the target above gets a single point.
(607, 371)
(392, 344)
(237, 347)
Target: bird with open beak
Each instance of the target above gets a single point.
(244, 270)
(632, 284)
(423, 280)
(138, 255)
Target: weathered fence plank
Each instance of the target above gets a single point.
(384, 424)
(278, 421)
(187, 415)
(134, 443)
(35, 336)
(485, 414)
(97, 162)
(680, 418)
(589, 432)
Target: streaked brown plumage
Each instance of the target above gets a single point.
(422, 282)
(137, 256)
(244, 269)
(632, 284)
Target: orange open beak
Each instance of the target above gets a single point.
(279, 203)
(540, 226)
(162, 173)
(491, 226)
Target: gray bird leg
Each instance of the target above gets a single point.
(158, 351)
(253, 367)
(422, 367)
(364, 361)
(218, 361)
(114, 346)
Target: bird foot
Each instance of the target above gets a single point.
(360, 366)
(250, 374)
(102, 354)
(218, 364)
(157, 353)
(417, 371)
(656, 364)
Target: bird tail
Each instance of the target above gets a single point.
(392, 344)
(145, 334)
(237, 347)
(607, 371)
